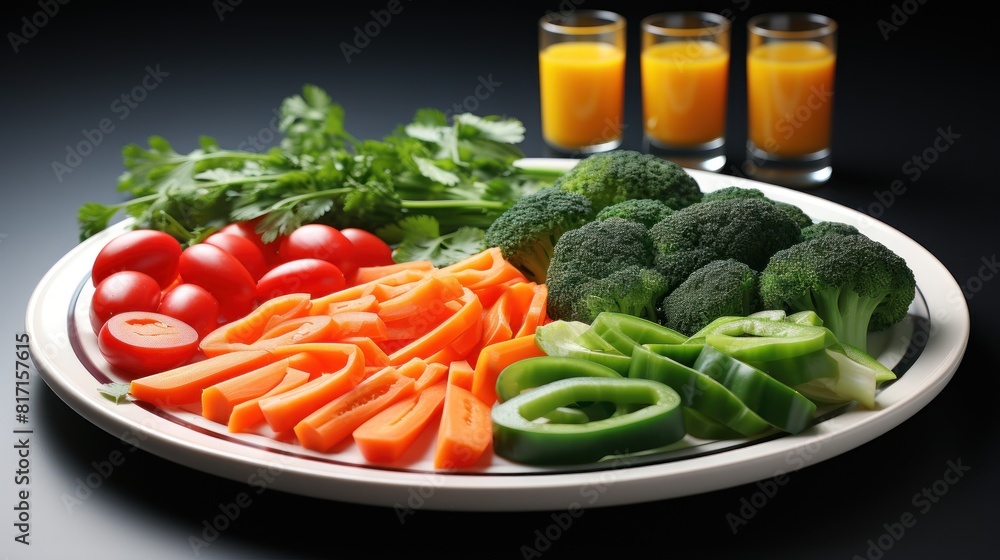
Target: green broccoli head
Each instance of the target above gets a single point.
(749, 230)
(593, 251)
(854, 283)
(611, 177)
(646, 211)
(527, 232)
(726, 193)
(820, 229)
(720, 288)
(633, 290)
(678, 265)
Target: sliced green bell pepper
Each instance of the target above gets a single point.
(518, 437)
(624, 332)
(777, 403)
(574, 339)
(530, 373)
(698, 391)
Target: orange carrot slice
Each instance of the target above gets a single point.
(386, 436)
(461, 373)
(247, 414)
(465, 430)
(374, 355)
(301, 330)
(183, 385)
(282, 412)
(444, 333)
(238, 334)
(494, 358)
(218, 401)
(412, 369)
(432, 374)
(462, 347)
(425, 296)
(320, 305)
(535, 314)
(362, 303)
(366, 274)
(332, 423)
(414, 327)
(484, 269)
(363, 324)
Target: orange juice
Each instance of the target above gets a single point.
(684, 91)
(790, 93)
(582, 87)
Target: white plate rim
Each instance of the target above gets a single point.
(620, 484)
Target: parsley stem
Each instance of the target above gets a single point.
(432, 204)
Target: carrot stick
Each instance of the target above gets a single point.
(432, 374)
(282, 412)
(443, 333)
(326, 357)
(465, 430)
(366, 274)
(359, 324)
(413, 368)
(238, 334)
(217, 401)
(461, 373)
(374, 355)
(424, 296)
(385, 437)
(409, 328)
(247, 414)
(535, 315)
(484, 269)
(362, 303)
(183, 385)
(321, 304)
(462, 347)
(301, 330)
(494, 358)
(337, 420)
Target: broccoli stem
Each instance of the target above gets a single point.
(844, 312)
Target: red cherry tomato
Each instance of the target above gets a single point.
(148, 251)
(312, 276)
(370, 248)
(192, 304)
(245, 251)
(142, 343)
(221, 275)
(247, 231)
(123, 291)
(323, 242)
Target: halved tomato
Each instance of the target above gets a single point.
(142, 343)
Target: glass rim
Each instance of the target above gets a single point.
(718, 24)
(822, 26)
(612, 22)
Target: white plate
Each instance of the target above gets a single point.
(928, 346)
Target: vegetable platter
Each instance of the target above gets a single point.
(925, 350)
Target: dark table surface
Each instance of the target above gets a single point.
(909, 73)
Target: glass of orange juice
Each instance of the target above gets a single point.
(581, 62)
(685, 75)
(790, 82)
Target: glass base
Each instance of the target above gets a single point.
(805, 172)
(710, 156)
(581, 151)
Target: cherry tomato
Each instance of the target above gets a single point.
(315, 277)
(245, 251)
(142, 342)
(192, 304)
(123, 291)
(247, 231)
(323, 242)
(143, 250)
(370, 248)
(221, 275)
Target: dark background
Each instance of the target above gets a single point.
(228, 67)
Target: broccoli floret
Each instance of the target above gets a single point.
(633, 290)
(592, 252)
(646, 211)
(820, 229)
(749, 230)
(527, 232)
(720, 288)
(611, 177)
(678, 265)
(794, 212)
(854, 283)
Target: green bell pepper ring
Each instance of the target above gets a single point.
(698, 391)
(575, 340)
(518, 437)
(777, 403)
(624, 332)
(530, 373)
(764, 340)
